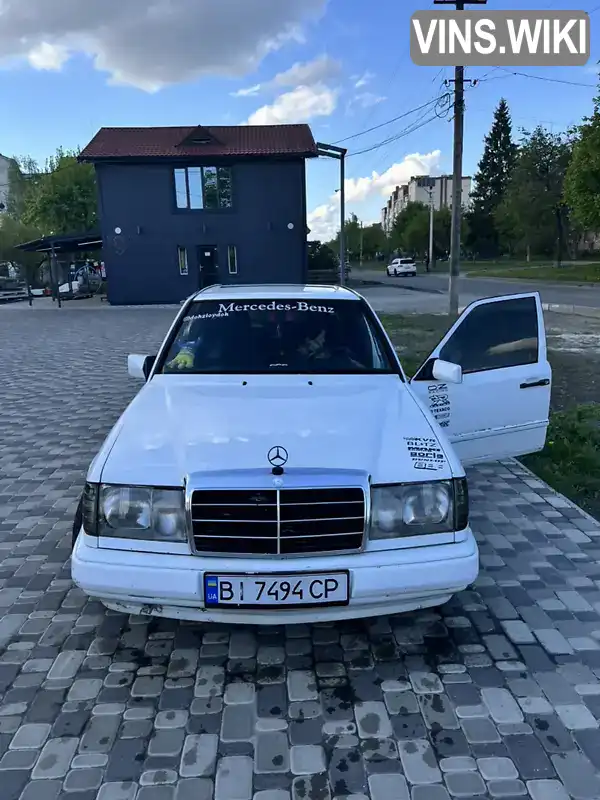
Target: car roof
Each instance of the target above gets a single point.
(264, 291)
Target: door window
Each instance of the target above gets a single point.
(494, 336)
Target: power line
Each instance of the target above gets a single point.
(406, 132)
(439, 114)
(402, 134)
(489, 72)
(394, 119)
(548, 80)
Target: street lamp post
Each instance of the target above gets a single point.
(431, 217)
(339, 153)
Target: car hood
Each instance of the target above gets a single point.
(184, 424)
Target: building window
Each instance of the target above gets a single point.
(211, 187)
(224, 178)
(195, 196)
(183, 260)
(232, 259)
(181, 191)
(203, 187)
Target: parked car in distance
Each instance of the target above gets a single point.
(402, 266)
(278, 467)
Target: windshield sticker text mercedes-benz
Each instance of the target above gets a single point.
(425, 452)
(225, 309)
(299, 306)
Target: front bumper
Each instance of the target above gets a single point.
(385, 582)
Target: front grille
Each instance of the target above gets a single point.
(278, 521)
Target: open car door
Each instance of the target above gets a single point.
(494, 402)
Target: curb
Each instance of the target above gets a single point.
(572, 503)
(580, 311)
(547, 284)
(369, 283)
(556, 308)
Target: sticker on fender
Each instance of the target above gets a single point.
(425, 452)
(439, 404)
(269, 590)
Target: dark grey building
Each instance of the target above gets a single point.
(183, 208)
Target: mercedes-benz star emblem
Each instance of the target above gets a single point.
(277, 456)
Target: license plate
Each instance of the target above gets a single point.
(318, 589)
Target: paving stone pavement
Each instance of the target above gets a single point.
(496, 697)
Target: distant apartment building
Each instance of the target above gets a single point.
(423, 189)
(5, 164)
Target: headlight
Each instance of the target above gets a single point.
(418, 509)
(136, 512)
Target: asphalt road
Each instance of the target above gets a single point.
(476, 288)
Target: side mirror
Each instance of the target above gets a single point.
(446, 371)
(140, 366)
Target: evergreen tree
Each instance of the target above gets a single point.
(491, 181)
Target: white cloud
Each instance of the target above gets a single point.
(369, 99)
(48, 56)
(250, 91)
(323, 221)
(363, 80)
(153, 43)
(300, 105)
(306, 73)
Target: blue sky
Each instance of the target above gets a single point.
(341, 65)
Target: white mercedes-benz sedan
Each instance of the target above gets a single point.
(278, 466)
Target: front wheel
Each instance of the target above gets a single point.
(77, 522)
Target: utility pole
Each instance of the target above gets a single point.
(457, 170)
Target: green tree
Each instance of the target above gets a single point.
(410, 232)
(22, 175)
(374, 241)
(321, 258)
(13, 233)
(491, 182)
(59, 198)
(582, 181)
(352, 235)
(370, 238)
(533, 216)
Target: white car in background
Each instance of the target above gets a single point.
(402, 266)
(279, 467)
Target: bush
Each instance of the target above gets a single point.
(321, 258)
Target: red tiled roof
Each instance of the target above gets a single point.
(173, 142)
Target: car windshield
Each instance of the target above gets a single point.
(278, 336)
